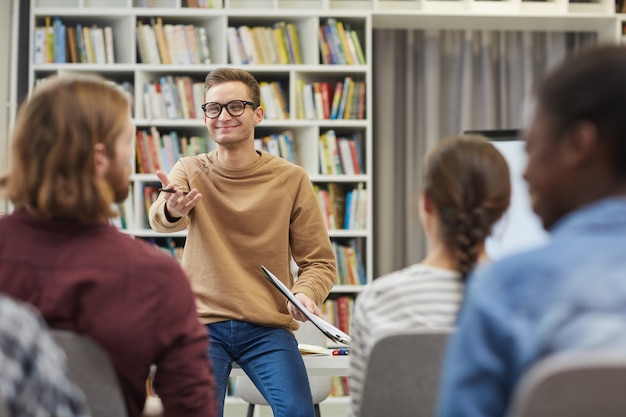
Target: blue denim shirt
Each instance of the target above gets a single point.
(569, 294)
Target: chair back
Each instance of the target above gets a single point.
(90, 368)
(320, 385)
(403, 372)
(573, 384)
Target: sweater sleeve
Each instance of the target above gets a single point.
(311, 246)
(156, 217)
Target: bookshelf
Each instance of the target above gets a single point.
(310, 70)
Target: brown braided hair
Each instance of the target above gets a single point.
(468, 181)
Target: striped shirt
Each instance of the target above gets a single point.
(34, 381)
(417, 296)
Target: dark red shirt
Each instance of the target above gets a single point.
(131, 298)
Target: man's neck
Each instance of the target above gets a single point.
(237, 158)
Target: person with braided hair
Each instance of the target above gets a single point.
(466, 190)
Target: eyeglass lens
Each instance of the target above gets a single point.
(234, 108)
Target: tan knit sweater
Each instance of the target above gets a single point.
(262, 214)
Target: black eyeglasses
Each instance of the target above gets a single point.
(234, 108)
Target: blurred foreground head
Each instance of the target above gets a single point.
(71, 150)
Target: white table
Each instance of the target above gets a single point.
(317, 364)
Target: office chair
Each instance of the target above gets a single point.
(403, 372)
(91, 369)
(320, 385)
(573, 384)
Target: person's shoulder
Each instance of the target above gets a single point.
(282, 165)
(516, 279)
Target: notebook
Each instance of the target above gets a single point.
(325, 327)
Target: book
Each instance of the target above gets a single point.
(141, 43)
(49, 41)
(357, 46)
(235, 49)
(203, 42)
(325, 91)
(159, 32)
(334, 108)
(324, 50)
(292, 34)
(345, 46)
(39, 51)
(72, 44)
(108, 43)
(341, 111)
(60, 54)
(325, 327)
(97, 43)
(89, 51)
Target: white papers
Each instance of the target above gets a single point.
(328, 329)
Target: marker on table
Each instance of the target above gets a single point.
(171, 190)
(341, 352)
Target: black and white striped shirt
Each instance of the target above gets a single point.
(416, 296)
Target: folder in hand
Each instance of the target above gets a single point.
(325, 327)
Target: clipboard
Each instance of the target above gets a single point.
(325, 327)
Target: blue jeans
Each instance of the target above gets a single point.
(270, 357)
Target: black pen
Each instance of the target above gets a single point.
(171, 190)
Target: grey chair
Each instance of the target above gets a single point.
(403, 372)
(573, 384)
(320, 385)
(91, 369)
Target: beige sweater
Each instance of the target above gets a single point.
(262, 214)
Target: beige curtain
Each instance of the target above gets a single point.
(433, 84)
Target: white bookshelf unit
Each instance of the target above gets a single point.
(307, 16)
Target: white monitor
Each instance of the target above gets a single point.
(520, 228)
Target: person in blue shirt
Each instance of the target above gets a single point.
(569, 294)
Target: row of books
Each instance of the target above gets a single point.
(279, 144)
(273, 100)
(342, 207)
(173, 97)
(340, 44)
(338, 311)
(180, 97)
(350, 267)
(277, 44)
(340, 155)
(156, 151)
(56, 43)
(315, 100)
(124, 210)
(150, 194)
(203, 4)
(160, 43)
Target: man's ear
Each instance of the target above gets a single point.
(581, 145)
(101, 158)
(259, 112)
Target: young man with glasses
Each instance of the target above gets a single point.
(243, 208)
